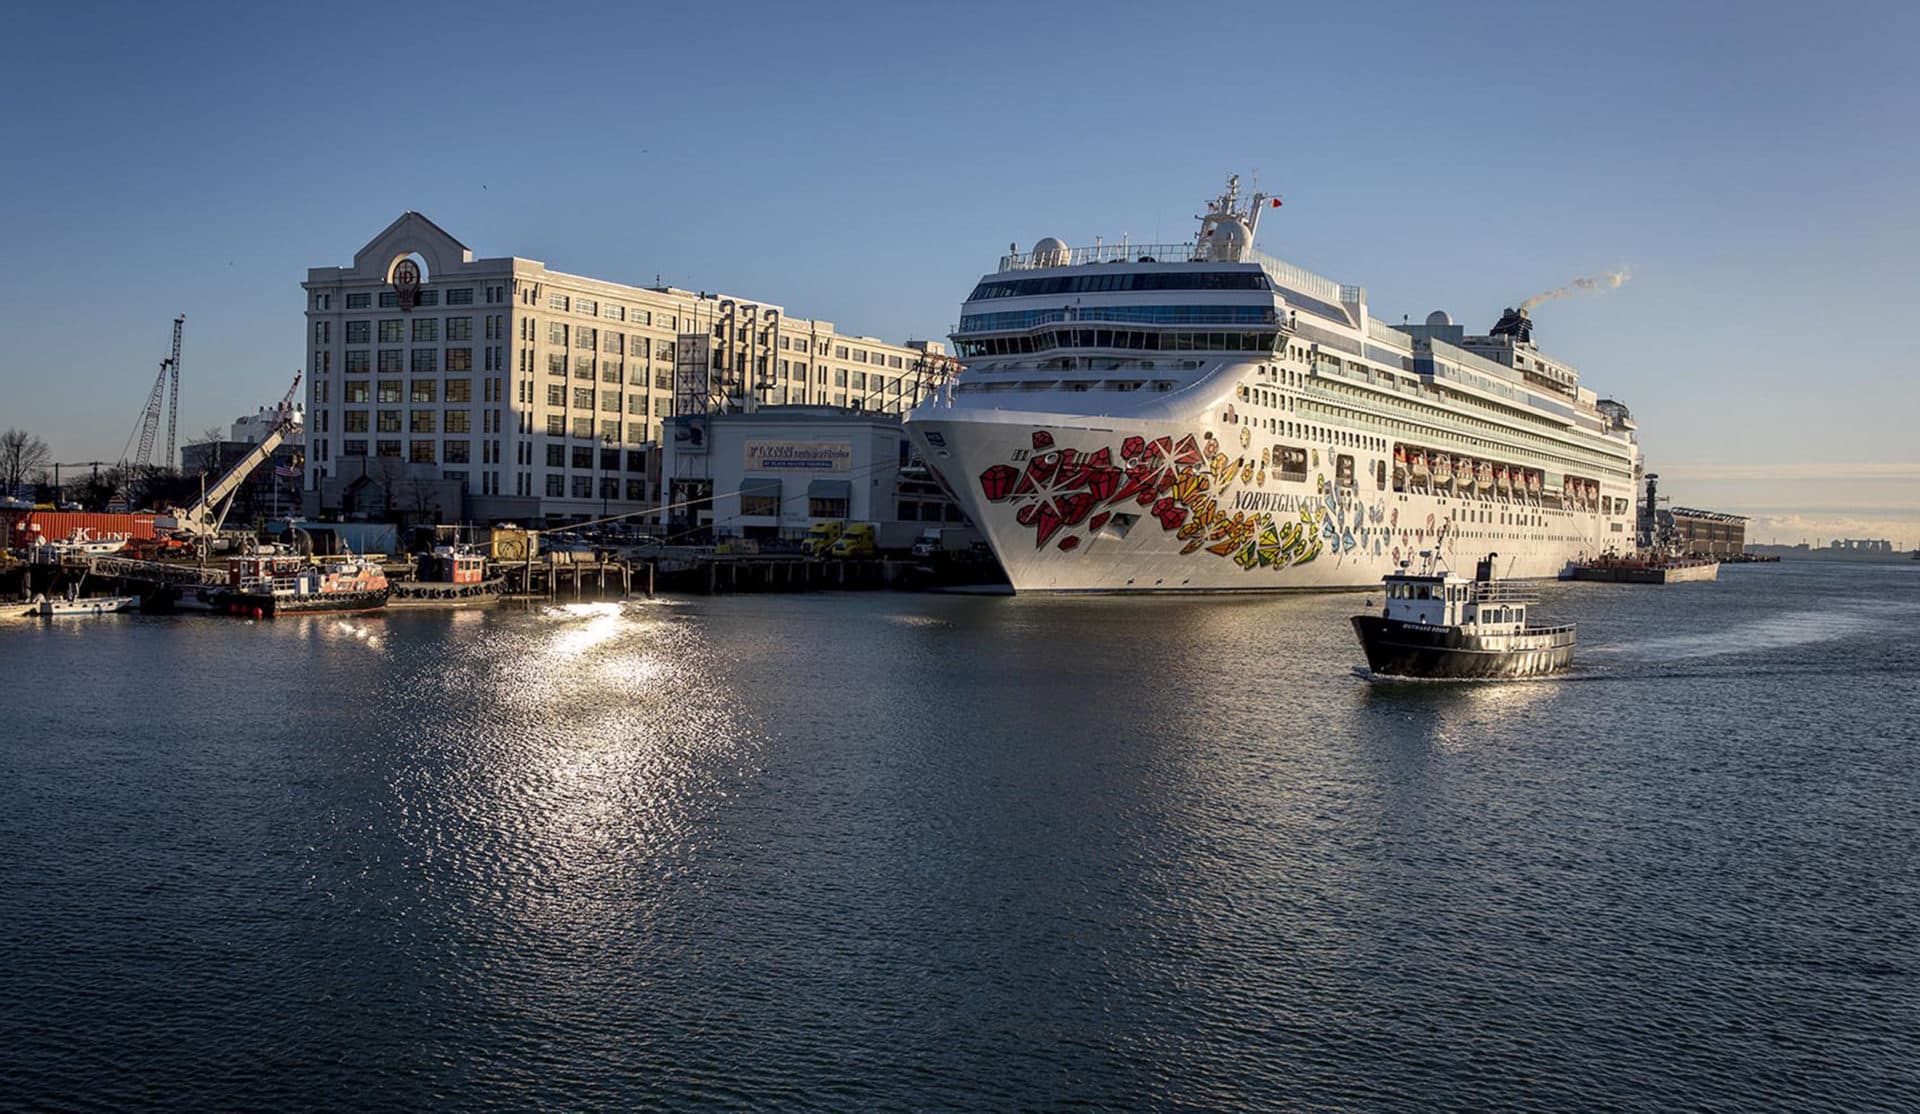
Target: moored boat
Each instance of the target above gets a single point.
(55, 607)
(264, 585)
(1442, 626)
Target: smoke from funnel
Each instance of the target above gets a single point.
(1609, 281)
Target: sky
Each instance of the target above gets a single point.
(1752, 164)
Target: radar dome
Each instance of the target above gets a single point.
(1438, 318)
(1050, 251)
(1228, 241)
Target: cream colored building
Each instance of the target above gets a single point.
(544, 392)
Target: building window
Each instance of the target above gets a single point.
(354, 421)
(460, 328)
(610, 401)
(557, 301)
(426, 329)
(423, 391)
(557, 363)
(556, 395)
(420, 452)
(556, 485)
(457, 451)
(584, 336)
(583, 367)
(393, 332)
(359, 361)
(583, 427)
(636, 490)
(826, 508)
(586, 305)
(389, 300)
(392, 361)
(388, 448)
(460, 296)
(389, 421)
(609, 488)
(354, 392)
(389, 390)
(360, 301)
(459, 359)
(760, 506)
(637, 458)
(357, 447)
(429, 297)
(459, 421)
(583, 398)
(556, 425)
(636, 346)
(359, 332)
(583, 487)
(610, 430)
(609, 371)
(426, 361)
(421, 421)
(459, 390)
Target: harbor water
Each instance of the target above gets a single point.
(857, 851)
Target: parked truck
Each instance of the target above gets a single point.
(856, 540)
(821, 536)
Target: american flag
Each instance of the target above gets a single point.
(287, 471)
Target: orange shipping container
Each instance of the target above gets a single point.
(27, 527)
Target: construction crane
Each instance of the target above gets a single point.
(149, 423)
(173, 388)
(201, 522)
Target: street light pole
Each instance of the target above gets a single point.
(607, 443)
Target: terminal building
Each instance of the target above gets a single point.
(543, 395)
(771, 473)
(1707, 533)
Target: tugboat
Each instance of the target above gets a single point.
(264, 585)
(1439, 625)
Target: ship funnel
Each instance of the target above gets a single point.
(1514, 323)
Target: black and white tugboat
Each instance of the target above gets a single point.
(1439, 625)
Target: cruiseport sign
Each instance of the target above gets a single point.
(812, 456)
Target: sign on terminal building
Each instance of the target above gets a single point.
(810, 456)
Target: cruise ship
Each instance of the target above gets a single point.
(1202, 417)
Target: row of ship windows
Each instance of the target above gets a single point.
(1127, 280)
(1126, 315)
(1138, 340)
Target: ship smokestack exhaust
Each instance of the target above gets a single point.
(1611, 280)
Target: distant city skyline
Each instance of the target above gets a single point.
(864, 164)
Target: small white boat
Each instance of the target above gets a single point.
(82, 605)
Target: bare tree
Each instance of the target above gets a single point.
(21, 455)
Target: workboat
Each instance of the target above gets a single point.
(1440, 625)
(263, 585)
(73, 604)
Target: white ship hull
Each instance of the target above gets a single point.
(1101, 445)
(1116, 504)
